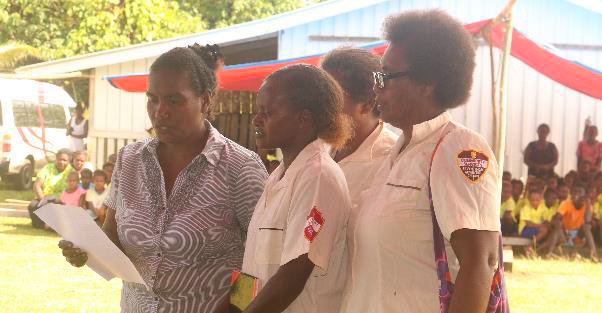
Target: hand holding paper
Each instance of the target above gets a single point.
(75, 225)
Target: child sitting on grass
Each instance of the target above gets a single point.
(86, 179)
(72, 195)
(94, 200)
(531, 224)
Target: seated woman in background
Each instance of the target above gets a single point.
(541, 156)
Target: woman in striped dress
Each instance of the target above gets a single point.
(180, 203)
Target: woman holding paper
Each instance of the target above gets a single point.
(180, 203)
(296, 241)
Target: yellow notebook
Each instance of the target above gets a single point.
(244, 290)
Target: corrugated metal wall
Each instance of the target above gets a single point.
(533, 98)
(116, 118)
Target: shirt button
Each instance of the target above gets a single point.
(159, 254)
(156, 298)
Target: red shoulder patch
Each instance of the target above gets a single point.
(314, 224)
(473, 164)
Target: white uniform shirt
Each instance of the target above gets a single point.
(304, 212)
(361, 166)
(393, 264)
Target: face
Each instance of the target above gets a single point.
(62, 160)
(86, 179)
(175, 110)
(584, 167)
(569, 179)
(72, 182)
(592, 133)
(401, 98)
(276, 123)
(79, 112)
(79, 161)
(550, 198)
(592, 193)
(534, 199)
(99, 182)
(506, 190)
(552, 182)
(563, 193)
(543, 132)
(507, 176)
(517, 189)
(578, 195)
(109, 170)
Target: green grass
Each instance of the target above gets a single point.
(7, 191)
(36, 278)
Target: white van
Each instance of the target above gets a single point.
(33, 120)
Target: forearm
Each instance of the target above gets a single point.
(283, 288)
(472, 287)
(37, 189)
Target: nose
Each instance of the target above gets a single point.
(257, 120)
(161, 110)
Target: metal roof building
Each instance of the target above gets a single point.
(118, 117)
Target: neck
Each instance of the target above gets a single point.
(541, 140)
(408, 128)
(185, 149)
(290, 153)
(99, 188)
(361, 131)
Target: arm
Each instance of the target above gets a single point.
(38, 188)
(527, 156)
(110, 228)
(531, 224)
(283, 288)
(477, 253)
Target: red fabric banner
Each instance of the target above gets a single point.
(248, 77)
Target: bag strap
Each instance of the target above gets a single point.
(439, 246)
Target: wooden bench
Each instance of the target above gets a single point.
(508, 243)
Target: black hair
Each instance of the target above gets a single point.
(308, 87)
(199, 62)
(87, 172)
(438, 51)
(64, 151)
(544, 125)
(353, 69)
(101, 173)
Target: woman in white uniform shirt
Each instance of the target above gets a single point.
(371, 141)
(296, 239)
(427, 69)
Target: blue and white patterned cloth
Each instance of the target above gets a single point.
(185, 245)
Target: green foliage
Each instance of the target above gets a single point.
(221, 13)
(72, 27)
(14, 54)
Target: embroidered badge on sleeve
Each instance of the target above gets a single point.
(313, 225)
(473, 164)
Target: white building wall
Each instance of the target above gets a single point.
(533, 98)
(116, 117)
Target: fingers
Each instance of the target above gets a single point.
(74, 256)
(65, 244)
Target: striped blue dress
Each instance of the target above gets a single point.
(185, 245)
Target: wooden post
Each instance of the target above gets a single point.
(501, 140)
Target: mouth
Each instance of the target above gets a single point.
(259, 133)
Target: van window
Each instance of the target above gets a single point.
(54, 115)
(26, 115)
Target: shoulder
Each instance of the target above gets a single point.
(322, 169)
(462, 142)
(386, 141)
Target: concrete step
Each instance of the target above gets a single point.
(8, 212)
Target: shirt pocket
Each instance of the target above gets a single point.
(400, 196)
(270, 242)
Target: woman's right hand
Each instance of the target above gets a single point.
(74, 256)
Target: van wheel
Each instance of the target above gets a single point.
(24, 178)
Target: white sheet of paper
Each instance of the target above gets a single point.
(104, 257)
